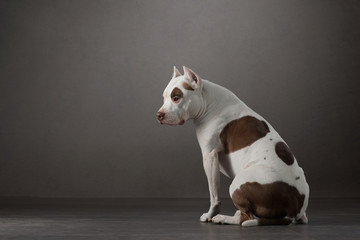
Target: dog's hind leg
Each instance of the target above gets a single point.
(227, 219)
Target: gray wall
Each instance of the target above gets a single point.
(80, 82)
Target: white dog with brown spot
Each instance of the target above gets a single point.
(268, 186)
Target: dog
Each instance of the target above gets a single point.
(268, 186)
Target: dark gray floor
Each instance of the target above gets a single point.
(162, 219)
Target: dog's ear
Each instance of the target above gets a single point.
(176, 73)
(192, 77)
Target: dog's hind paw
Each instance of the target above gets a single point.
(219, 219)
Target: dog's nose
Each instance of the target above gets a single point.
(160, 116)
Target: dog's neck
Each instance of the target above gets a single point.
(214, 101)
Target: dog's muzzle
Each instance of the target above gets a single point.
(160, 116)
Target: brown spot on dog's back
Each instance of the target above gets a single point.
(187, 86)
(272, 200)
(176, 92)
(284, 153)
(242, 132)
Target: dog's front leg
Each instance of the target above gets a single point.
(211, 167)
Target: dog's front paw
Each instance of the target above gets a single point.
(218, 219)
(206, 217)
(214, 210)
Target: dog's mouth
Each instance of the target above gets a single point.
(172, 124)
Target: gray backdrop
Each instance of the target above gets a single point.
(80, 82)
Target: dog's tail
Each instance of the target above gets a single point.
(266, 221)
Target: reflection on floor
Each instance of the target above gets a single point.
(162, 219)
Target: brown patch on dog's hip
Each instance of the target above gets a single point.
(272, 200)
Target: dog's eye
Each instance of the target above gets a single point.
(176, 99)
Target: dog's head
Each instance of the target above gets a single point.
(182, 98)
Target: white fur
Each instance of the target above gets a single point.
(250, 223)
(212, 107)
